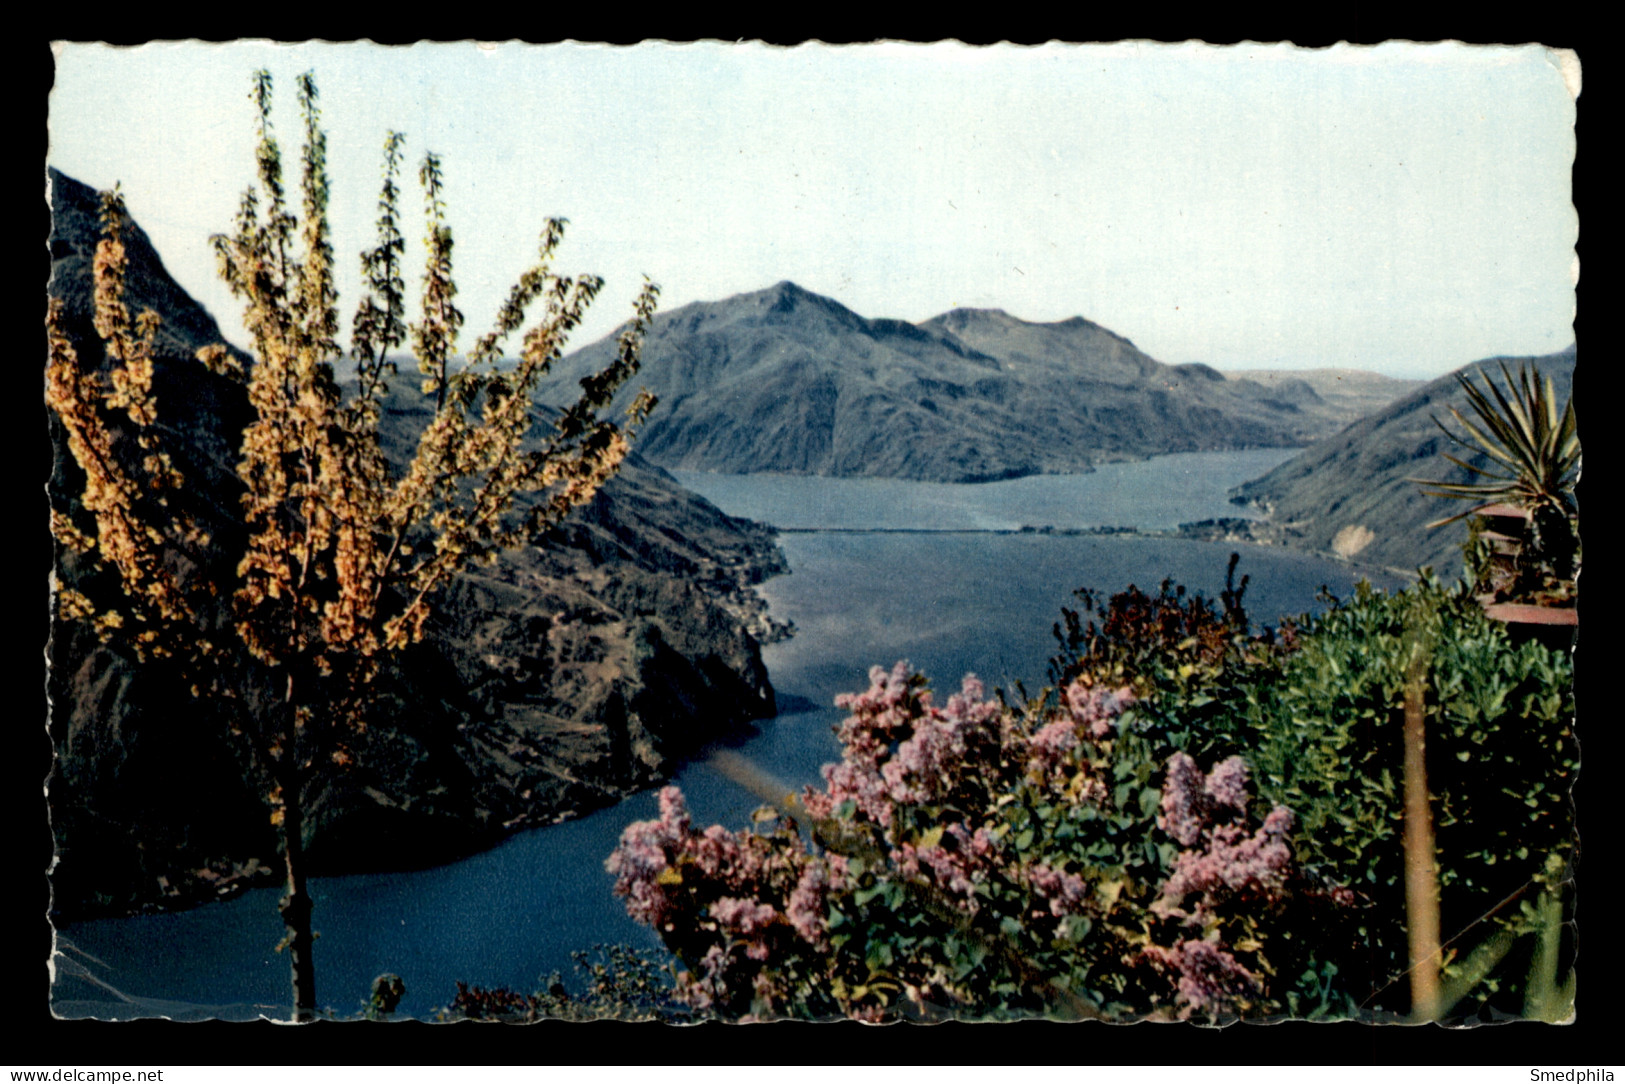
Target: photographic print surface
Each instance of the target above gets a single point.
(898, 532)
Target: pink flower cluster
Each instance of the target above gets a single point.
(1206, 815)
(745, 920)
(647, 850)
(1067, 893)
(808, 910)
(1235, 862)
(959, 867)
(734, 904)
(1051, 744)
(1094, 708)
(1191, 800)
(733, 891)
(1227, 784)
(1088, 711)
(1209, 979)
(901, 749)
(1223, 862)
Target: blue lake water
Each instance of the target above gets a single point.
(949, 603)
(1152, 495)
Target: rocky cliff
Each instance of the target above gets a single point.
(784, 380)
(563, 677)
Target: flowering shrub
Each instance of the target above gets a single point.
(1223, 869)
(975, 859)
(1198, 822)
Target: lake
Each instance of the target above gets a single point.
(956, 597)
(1154, 494)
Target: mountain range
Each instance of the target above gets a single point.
(783, 380)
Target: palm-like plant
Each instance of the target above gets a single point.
(1534, 453)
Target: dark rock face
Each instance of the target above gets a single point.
(563, 677)
(1350, 496)
(783, 380)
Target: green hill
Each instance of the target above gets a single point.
(1350, 495)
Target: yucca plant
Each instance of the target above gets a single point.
(1534, 452)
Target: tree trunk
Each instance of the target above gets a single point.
(1421, 877)
(296, 907)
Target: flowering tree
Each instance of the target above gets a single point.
(340, 552)
(975, 859)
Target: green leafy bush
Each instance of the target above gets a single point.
(1316, 707)
(1324, 735)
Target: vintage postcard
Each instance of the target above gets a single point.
(892, 532)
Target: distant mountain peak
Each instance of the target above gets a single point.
(786, 292)
(786, 298)
(965, 315)
(974, 321)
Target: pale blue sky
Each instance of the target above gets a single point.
(1403, 208)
